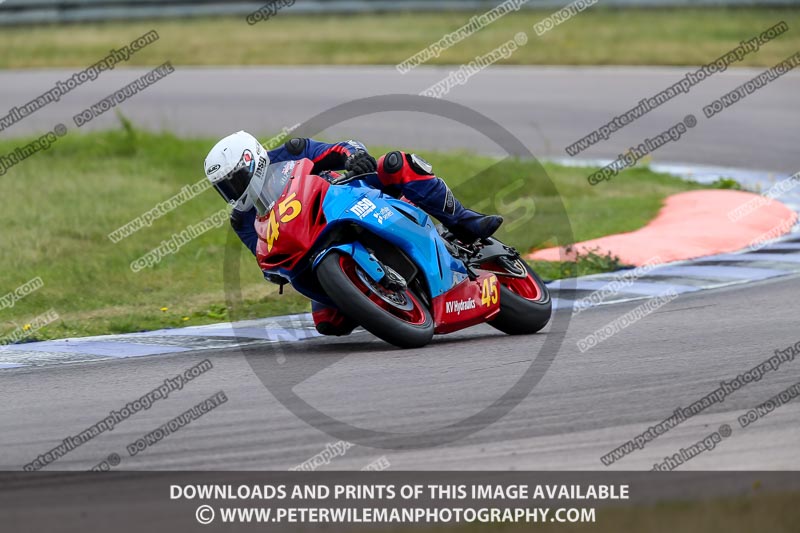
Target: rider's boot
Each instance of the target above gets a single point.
(413, 177)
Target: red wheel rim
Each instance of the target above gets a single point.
(406, 307)
(526, 287)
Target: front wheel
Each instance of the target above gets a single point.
(398, 317)
(525, 304)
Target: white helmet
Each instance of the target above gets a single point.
(230, 165)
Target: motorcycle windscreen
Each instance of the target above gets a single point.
(266, 188)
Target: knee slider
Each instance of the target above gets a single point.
(419, 165)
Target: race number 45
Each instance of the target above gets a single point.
(489, 291)
(288, 210)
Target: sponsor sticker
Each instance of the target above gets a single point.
(363, 207)
(458, 306)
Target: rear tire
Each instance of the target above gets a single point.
(359, 298)
(523, 309)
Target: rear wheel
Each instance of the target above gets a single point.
(398, 317)
(525, 304)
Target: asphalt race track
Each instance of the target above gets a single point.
(546, 108)
(585, 405)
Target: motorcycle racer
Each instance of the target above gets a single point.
(232, 162)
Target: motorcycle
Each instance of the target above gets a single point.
(383, 262)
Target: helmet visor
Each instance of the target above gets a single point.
(234, 185)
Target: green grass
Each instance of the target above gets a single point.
(598, 36)
(585, 263)
(60, 205)
(755, 511)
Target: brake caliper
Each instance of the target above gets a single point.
(392, 280)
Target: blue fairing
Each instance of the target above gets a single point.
(412, 232)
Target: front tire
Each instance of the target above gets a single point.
(525, 304)
(398, 317)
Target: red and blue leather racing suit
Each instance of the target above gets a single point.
(398, 174)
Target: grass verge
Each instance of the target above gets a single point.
(598, 36)
(776, 512)
(60, 205)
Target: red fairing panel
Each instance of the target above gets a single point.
(467, 304)
(295, 222)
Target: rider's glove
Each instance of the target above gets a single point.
(361, 163)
